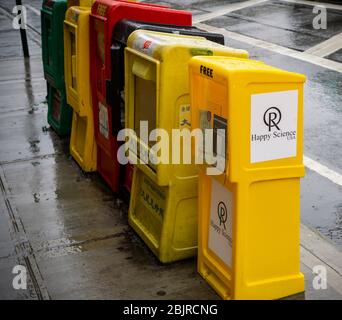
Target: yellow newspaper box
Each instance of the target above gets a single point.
(77, 80)
(163, 205)
(249, 208)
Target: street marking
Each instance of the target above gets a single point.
(327, 47)
(322, 170)
(307, 57)
(36, 11)
(227, 9)
(315, 3)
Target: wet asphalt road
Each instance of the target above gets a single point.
(62, 221)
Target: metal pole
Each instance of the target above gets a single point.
(23, 35)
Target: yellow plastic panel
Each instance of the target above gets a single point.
(165, 217)
(85, 155)
(78, 89)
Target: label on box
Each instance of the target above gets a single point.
(103, 120)
(153, 197)
(146, 44)
(185, 116)
(221, 222)
(274, 122)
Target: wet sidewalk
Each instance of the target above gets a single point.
(67, 228)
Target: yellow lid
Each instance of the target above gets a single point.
(155, 44)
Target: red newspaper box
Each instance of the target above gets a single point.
(104, 17)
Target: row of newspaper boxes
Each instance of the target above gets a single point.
(111, 65)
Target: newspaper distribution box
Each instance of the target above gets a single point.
(77, 80)
(52, 18)
(103, 19)
(115, 85)
(249, 207)
(163, 206)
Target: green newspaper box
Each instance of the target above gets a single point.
(52, 25)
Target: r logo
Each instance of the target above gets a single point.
(20, 280)
(272, 117)
(222, 214)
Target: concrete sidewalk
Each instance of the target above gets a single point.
(68, 229)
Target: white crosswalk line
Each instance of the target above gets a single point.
(227, 9)
(303, 56)
(34, 10)
(322, 170)
(327, 47)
